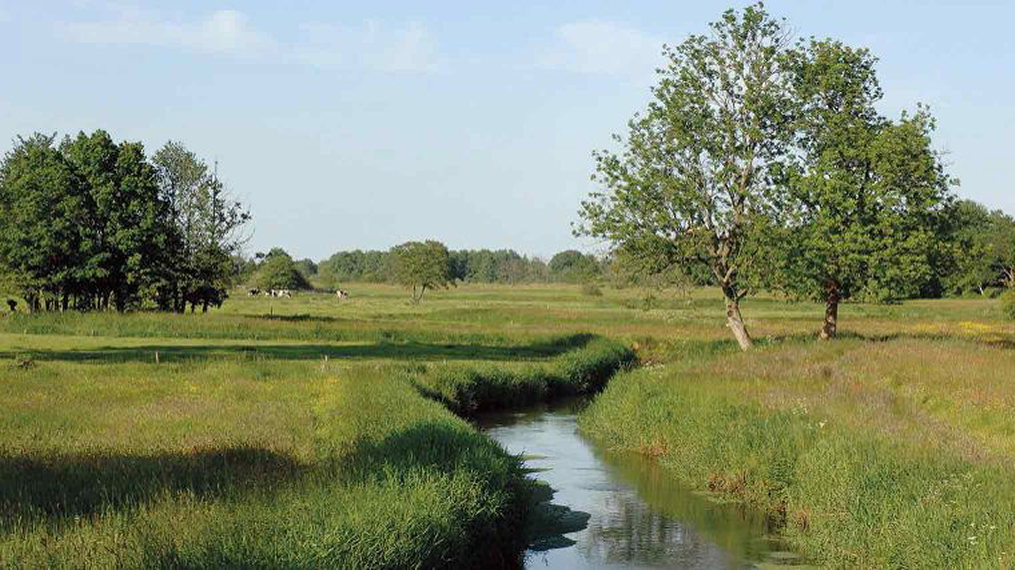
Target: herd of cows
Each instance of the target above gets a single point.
(287, 293)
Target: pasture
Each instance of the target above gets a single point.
(311, 431)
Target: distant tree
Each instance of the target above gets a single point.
(279, 271)
(693, 183)
(422, 266)
(984, 255)
(307, 267)
(363, 266)
(865, 195)
(573, 266)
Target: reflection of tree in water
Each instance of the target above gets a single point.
(635, 533)
(663, 523)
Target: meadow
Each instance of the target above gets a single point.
(306, 432)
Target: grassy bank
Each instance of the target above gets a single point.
(229, 454)
(889, 454)
(246, 465)
(471, 389)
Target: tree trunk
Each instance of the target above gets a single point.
(736, 323)
(830, 326)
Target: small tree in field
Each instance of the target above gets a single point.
(694, 182)
(421, 266)
(279, 271)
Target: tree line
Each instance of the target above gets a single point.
(87, 223)
(763, 162)
(466, 266)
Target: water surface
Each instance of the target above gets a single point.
(639, 516)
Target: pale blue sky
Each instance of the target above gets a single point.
(363, 124)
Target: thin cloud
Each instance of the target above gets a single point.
(602, 47)
(223, 31)
(373, 46)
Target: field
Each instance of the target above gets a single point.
(305, 432)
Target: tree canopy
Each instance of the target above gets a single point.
(93, 224)
(693, 182)
(862, 216)
(422, 265)
(769, 165)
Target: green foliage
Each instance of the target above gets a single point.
(572, 266)
(92, 224)
(279, 271)
(983, 255)
(863, 212)
(359, 266)
(467, 266)
(422, 266)
(209, 221)
(1008, 304)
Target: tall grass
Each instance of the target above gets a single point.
(470, 389)
(379, 477)
(863, 465)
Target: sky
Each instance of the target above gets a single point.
(347, 125)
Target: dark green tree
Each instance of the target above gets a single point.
(129, 235)
(43, 208)
(984, 249)
(694, 181)
(421, 266)
(279, 271)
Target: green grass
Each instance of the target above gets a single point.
(871, 455)
(308, 432)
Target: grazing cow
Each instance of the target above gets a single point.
(13, 305)
(342, 294)
(253, 292)
(282, 293)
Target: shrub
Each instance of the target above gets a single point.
(592, 290)
(1008, 304)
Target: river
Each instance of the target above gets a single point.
(637, 515)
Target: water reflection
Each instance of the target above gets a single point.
(639, 517)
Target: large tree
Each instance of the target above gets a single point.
(422, 265)
(129, 233)
(862, 214)
(694, 181)
(210, 221)
(42, 211)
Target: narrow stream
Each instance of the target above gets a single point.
(638, 516)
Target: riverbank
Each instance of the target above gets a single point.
(868, 454)
(207, 458)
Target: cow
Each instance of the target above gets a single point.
(281, 293)
(13, 305)
(253, 292)
(342, 294)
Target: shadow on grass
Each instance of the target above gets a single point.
(382, 350)
(58, 487)
(301, 318)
